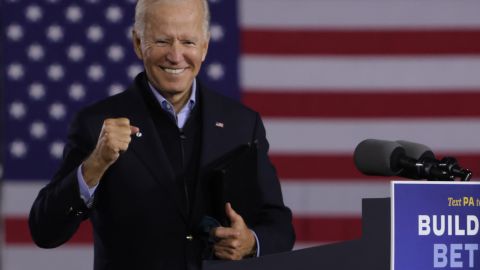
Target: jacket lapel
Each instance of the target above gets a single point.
(217, 139)
(215, 127)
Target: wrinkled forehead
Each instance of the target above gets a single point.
(168, 18)
(175, 11)
(148, 10)
(146, 6)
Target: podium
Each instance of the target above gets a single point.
(371, 251)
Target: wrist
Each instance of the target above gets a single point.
(253, 251)
(92, 171)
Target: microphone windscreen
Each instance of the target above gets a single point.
(378, 157)
(416, 150)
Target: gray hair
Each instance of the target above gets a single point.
(142, 5)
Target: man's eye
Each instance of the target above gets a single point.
(161, 41)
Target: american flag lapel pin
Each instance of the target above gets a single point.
(219, 124)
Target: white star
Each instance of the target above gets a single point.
(53, 1)
(133, 70)
(114, 14)
(14, 32)
(214, 1)
(36, 91)
(17, 110)
(57, 111)
(56, 149)
(95, 72)
(18, 149)
(33, 13)
(38, 130)
(12, 1)
(216, 32)
(115, 88)
(92, 1)
(115, 53)
(55, 72)
(55, 32)
(35, 52)
(131, 1)
(76, 91)
(215, 71)
(15, 71)
(95, 33)
(75, 52)
(74, 14)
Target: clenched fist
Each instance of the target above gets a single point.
(114, 138)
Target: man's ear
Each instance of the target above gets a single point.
(137, 44)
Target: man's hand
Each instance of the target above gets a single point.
(114, 138)
(233, 242)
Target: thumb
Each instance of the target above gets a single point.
(234, 217)
(134, 129)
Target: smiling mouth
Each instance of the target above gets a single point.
(174, 70)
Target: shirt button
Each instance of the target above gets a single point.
(189, 237)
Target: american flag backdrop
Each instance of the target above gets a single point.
(324, 74)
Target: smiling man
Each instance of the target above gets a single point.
(172, 42)
(137, 163)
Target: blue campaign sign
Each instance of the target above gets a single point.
(435, 225)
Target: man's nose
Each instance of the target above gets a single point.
(175, 53)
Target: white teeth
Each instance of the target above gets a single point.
(174, 70)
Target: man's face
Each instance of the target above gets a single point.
(173, 46)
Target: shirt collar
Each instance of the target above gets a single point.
(167, 106)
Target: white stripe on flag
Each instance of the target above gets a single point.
(316, 72)
(359, 14)
(302, 245)
(331, 199)
(340, 136)
(304, 197)
(64, 257)
(18, 196)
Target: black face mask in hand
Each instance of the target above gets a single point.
(204, 228)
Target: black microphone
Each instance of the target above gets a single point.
(405, 159)
(425, 155)
(378, 157)
(450, 164)
(418, 152)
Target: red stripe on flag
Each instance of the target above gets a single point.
(314, 167)
(328, 167)
(378, 42)
(311, 229)
(17, 232)
(453, 103)
(317, 229)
